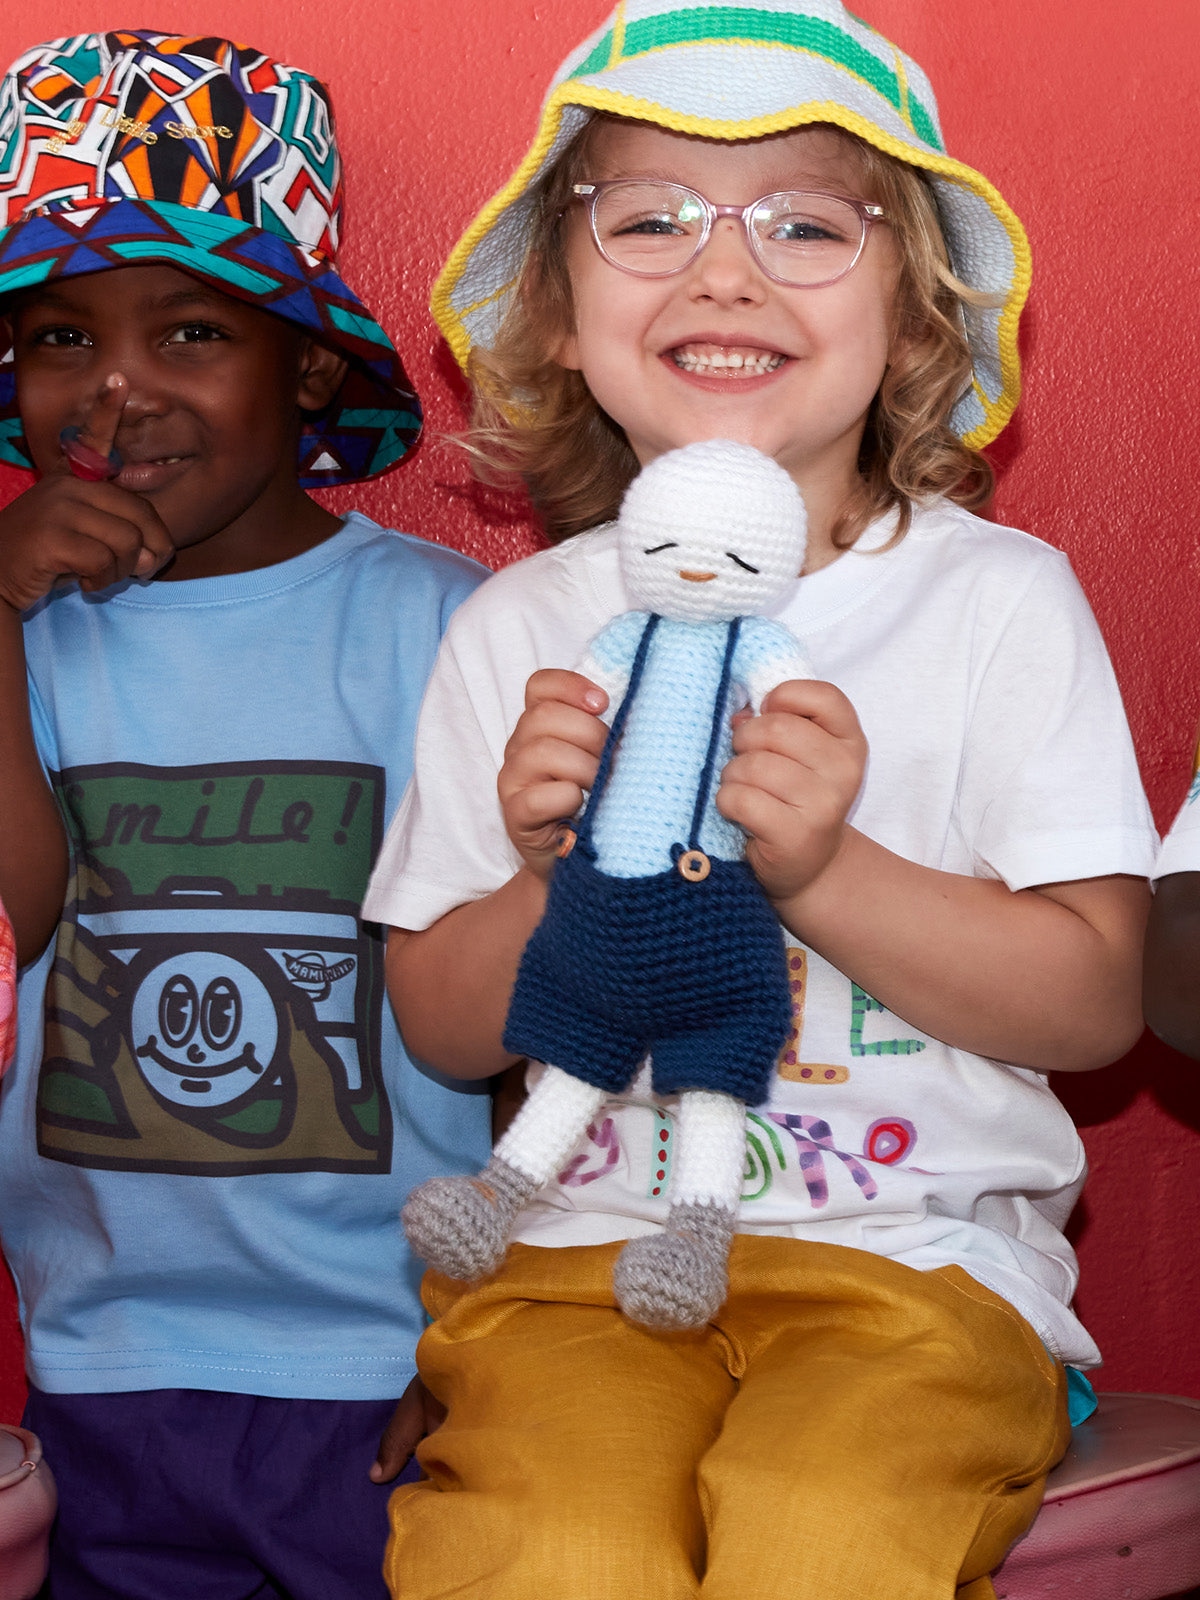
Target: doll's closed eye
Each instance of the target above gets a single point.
(670, 544)
(733, 556)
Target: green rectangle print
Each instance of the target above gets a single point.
(214, 1006)
(289, 825)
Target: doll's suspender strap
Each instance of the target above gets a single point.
(714, 736)
(704, 787)
(615, 732)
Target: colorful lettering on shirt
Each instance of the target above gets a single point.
(860, 1004)
(791, 1067)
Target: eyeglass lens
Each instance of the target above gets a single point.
(658, 227)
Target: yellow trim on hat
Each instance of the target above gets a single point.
(447, 317)
(590, 97)
(618, 36)
(902, 85)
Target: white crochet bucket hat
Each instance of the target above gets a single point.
(737, 71)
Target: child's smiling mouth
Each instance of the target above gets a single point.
(726, 361)
(151, 473)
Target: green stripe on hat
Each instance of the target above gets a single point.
(21, 277)
(730, 24)
(232, 272)
(364, 327)
(208, 230)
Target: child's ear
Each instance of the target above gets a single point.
(321, 374)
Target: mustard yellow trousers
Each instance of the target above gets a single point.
(846, 1429)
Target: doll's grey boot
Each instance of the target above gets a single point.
(461, 1226)
(677, 1279)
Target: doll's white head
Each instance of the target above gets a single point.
(709, 532)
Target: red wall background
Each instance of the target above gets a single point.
(1082, 113)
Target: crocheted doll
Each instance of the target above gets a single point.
(656, 939)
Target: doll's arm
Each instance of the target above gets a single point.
(613, 680)
(768, 655)
(609, 657)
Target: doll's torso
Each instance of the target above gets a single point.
(659, 768)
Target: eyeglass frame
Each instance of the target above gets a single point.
(588, 194)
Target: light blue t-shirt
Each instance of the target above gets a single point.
(204, 1150)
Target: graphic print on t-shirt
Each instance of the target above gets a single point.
(214, 1003)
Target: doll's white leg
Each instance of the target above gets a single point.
(547, 1128)
(678, 1278)
(461, 1226)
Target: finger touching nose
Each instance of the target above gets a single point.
(89, 448)
(99, 427)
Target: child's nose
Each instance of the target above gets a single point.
(726, 270)
(147, 396)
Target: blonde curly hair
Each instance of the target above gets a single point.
(536, 420)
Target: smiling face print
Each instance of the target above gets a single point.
(204, 1030)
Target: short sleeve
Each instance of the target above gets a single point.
(447, 844)
(42, 724)
(767, 654)
(1050, 789)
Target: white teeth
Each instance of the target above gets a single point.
(730, 361)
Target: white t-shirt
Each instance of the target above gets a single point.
(998, 748)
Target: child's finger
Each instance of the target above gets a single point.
(98, 430)
(417, 1413)
(157, 547)
(571, 688)
(823, 703)
(400, 1438)
(94, 560)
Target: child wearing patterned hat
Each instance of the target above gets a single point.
(740, 222)
(211, 1122)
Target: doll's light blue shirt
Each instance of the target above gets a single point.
(651, 794)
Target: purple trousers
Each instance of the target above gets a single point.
(183, 1494)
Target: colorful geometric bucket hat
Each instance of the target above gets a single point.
(737, 71)
(127, 147)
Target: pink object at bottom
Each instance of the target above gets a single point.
(1121, 1517)
(28, 1501)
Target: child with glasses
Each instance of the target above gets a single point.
(210, 684)
(741, 223)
